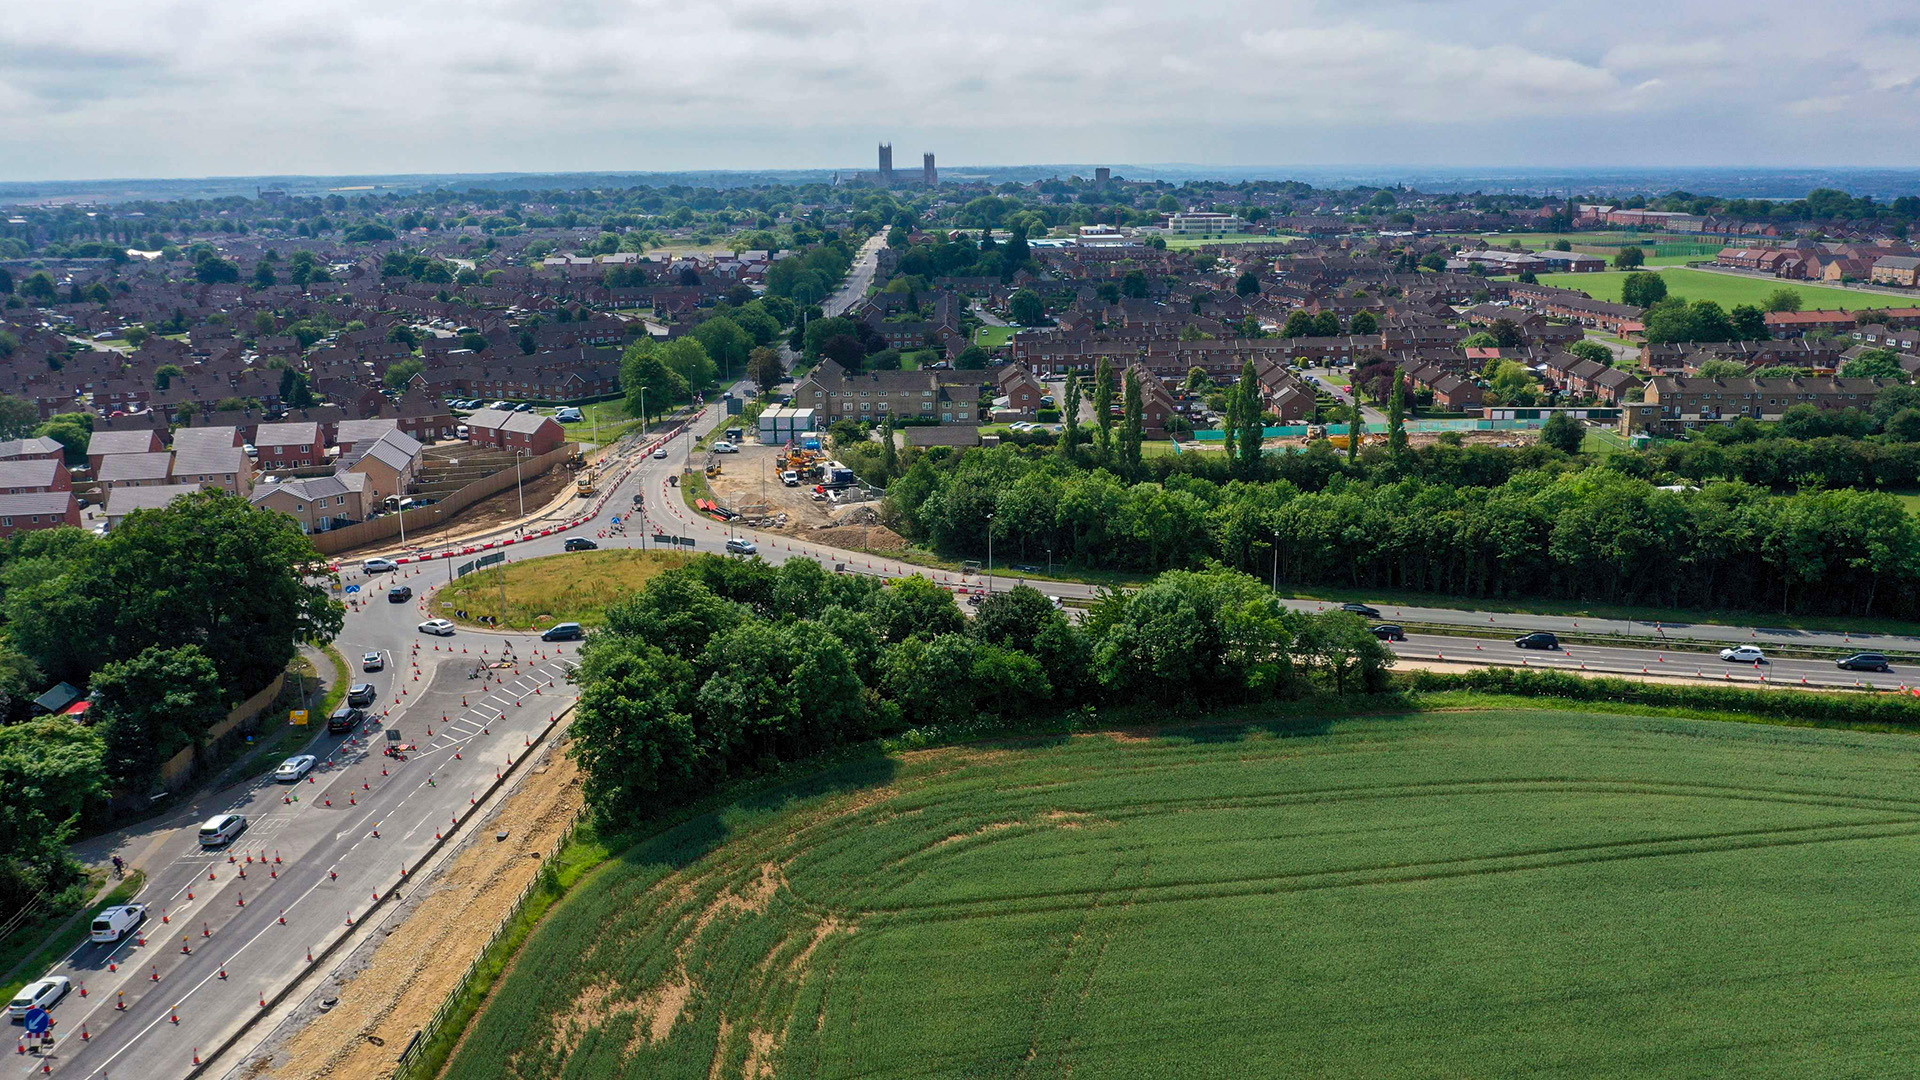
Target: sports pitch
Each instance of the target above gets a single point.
(1473, 893)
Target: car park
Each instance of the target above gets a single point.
(1863, 661)
(399, 594)
(580, 543)
(362, 695)
(1743, 654)
(566, 631)
(1538, 640)
(373, 661)
(42, 994)
(437, 627)
(113, 923)
(295, 767)
(379, 566)
(1361, 609)
(740, 545)
(1389, 632)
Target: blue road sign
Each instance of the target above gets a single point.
(353, 588)
(616, 519)
(38, 1021)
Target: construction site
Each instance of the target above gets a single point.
(824, 502)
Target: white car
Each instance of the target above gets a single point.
(724, 447)
(222, 829)
(373, 661)
(741, 546)
(380, 566)
(113, 923)
(660, 454)
(440, 627)
(295, 767)
(1743, 654)
(45, 994)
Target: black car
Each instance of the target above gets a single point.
(344, 719)
(399, 594)
(1389, 632)
(1863, 661)
(362, 694)
(581, 543)
(1361, 609)
(1541, 640)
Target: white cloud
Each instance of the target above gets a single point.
(185, 87)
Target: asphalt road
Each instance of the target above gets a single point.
(319, 849)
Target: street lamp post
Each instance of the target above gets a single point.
(518, 487)
(989, 554)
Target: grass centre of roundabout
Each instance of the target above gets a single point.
(576, 586)
(1477, 892)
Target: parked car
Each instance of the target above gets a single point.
(740, 545)
(724, 447)
(1361, 609)
(380, 566)
(1743, 654)
(438, 627)
(1389, 632)
(790, 478)
(399, 594)
(580, 543)
(362, 695)
(373, 661)
(113, 923)
(1538, 640)
(523, 407)
(566, 631)
(295, 767)
(1863, 661)
(44, 994)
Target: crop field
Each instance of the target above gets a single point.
(1727, 289)
(1461, 893)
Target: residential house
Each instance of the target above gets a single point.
(36, 510)
(1684, 400)
(135, 470)
(105, 444)
(1022, 391)
(22, 475)
(834, 393)
(389, 463)
(212, 457)
(505, 429)
(1901, 270)
(318, 503)
(290, 445)
(122, 501)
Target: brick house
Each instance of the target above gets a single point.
(1022, 391)
(1901, 270)
(105, 444)
(135, 470)
(23, 475)
(389, 463)
(290, 445)
(834, 393)
(1682, 399)
(505, 429)
(318, 503)
(36, 510)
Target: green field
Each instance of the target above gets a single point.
(1454, 893)
(1727, 289)
(993, 337)
(1183, 243)
(574, 587)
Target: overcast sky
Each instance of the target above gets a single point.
(155, 88)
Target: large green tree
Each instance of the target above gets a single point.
(153, 706)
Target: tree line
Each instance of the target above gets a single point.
(725, 666)
(1452, 520)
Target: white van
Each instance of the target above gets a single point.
(113, 923)
(221, 829)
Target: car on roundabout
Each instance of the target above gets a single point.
(437, 627)
(379, 566)
(373, 660)
(740, 545)
(580, 543)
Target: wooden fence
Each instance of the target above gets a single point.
(442, 512)
(181, 765)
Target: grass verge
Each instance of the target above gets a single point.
(584, 851)
(575, 587)
(59, 931)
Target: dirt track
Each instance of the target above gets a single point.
(410, 973)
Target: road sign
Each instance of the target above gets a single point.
(665, 538)
(616, 519)
(485, 561)
(353, 588)
(38, 1021)
(464, 569)
(298, 717)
